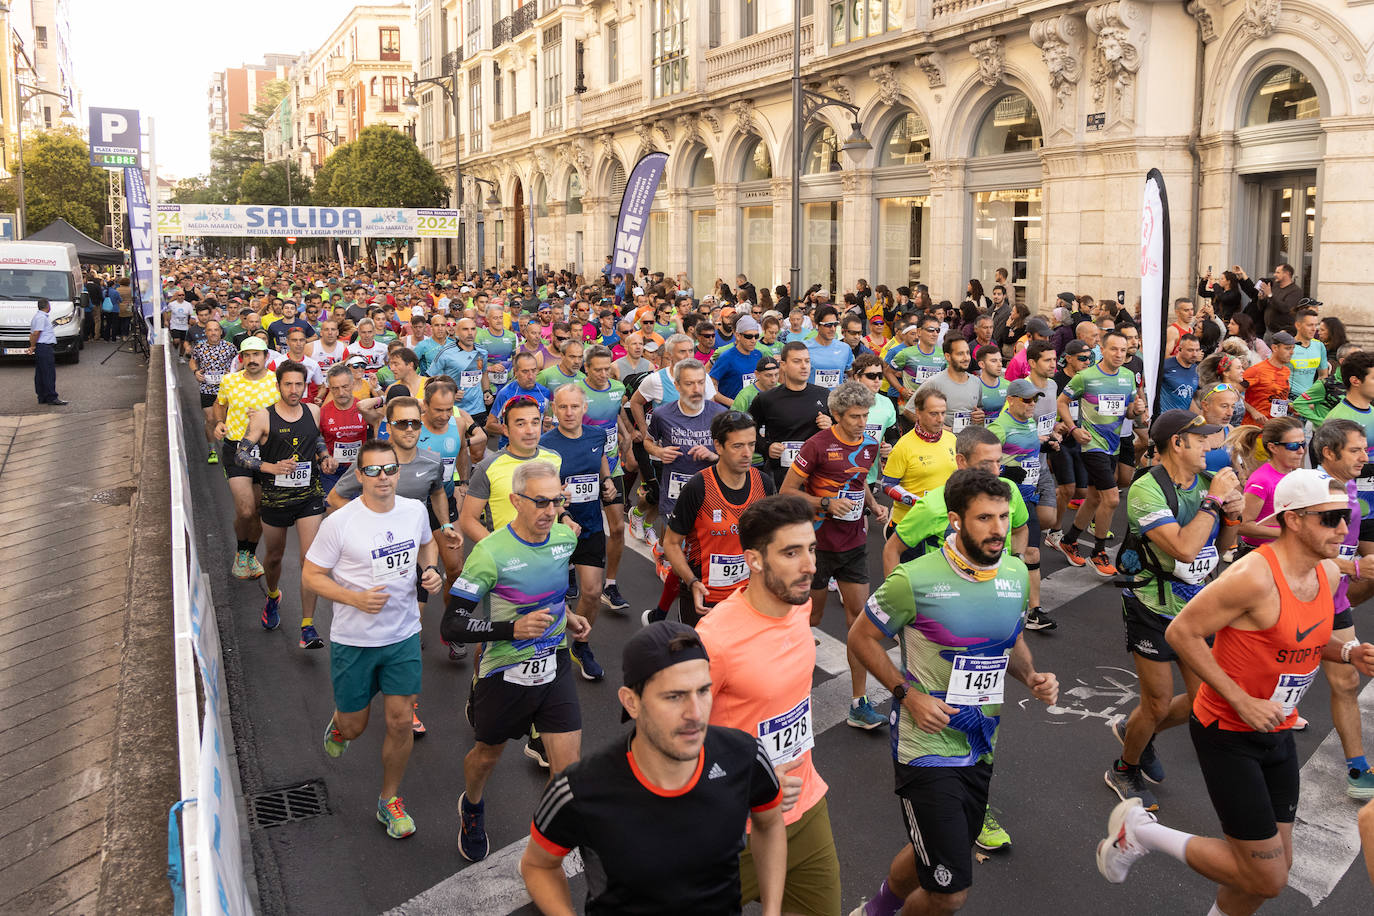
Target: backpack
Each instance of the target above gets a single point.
(1136, 555)
(108, 307)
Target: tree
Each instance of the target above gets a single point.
(233, 153)
(194, 190)
(382, 168)
(59, 181)
(267, 185)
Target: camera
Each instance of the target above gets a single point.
(1269, 280)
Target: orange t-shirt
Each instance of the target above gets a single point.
(761, 670)
(1266, 391)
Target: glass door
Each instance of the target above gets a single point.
(1288, 225)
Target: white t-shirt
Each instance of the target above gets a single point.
(314, 375)
(375, 355)
(180, 318)
(362, 549)
(325, 357)
(652, 388)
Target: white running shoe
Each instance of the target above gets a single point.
(1120, 850)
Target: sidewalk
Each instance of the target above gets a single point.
(64, 546)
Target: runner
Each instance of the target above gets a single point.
(769, 618)
(523, 384)
(1254, 676)
(624, 805)
(830, 358)
(702, 537)
(605, 410)
(523, 678)
(831, 473)
(466, 363)
(1016, 428)
(210, 362)
(1070, 474)
(283, 444)
(446, 430)
(735, 366)
(921, 459)
(295, 352)
(344, 423)
(568, 369)
(1180, 518)
(957, 615)
(765, 379)
(1358, 407)
(882, 419)
(993, 392)
(365, 559)
(919, 359)
(251, 388)
(791, 413)
(490, 486)
(960, 388)
(500, 343)
(328, 350)
(367, 346)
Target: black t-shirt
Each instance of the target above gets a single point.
(604, 806)
(355, 313)
(784, 415)
(693, 494)
(278, 330)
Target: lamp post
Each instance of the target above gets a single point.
(24, 93)
(449, 84)
(805, 104)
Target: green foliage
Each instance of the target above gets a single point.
(59, 181)
(382, 168)
(231, 155)
(195, 190)
(267, 185)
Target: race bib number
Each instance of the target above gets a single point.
(214, 378)
(394, 561)
(582, 487)
(449, 464)
(1032, 468)
(726, 570)
(1364, 484)
(534, 672)
(1044, 426)
(1111, 405)
(959, 419)
(856, 500)
(1347, 551)
(498, 376)
(612, 439)
(788, 736)
(300, 477)
(828, 378)
(924, 373)
(790, 451)
(1073, 411)
(1196, 572)
(472, 378)
(675, 481)
(1290, 688)
(1278, 407)
(977, 680)
(747, 379)
(874, 431)
(346, 452)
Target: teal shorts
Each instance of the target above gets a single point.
(359, 673)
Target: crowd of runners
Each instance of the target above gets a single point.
(492, 444)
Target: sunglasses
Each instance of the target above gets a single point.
(407, 424)
(1217, 389)
(749, 336)
(873, 375)
(377, 470)
(1292, 446)
(931, 329)
(1084, 357)
(558, 339)
(829, 324)
(543, 502)
(1329, 518)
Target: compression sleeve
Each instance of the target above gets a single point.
(246, 457)
(458, 624)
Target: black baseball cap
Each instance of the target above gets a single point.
(766, 363)
(652, 649)
(1173, 422)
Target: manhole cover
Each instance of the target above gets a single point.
(115, 496)
(274, 807)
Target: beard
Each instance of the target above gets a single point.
(800, 594)
(979, 553)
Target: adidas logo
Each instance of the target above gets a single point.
(716, 772)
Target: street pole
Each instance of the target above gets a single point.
(457, 175)
(19, 129)
(798, 126)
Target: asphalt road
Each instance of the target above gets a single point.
(1048, 789)
(117, 382)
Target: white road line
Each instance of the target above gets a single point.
(1325, 837)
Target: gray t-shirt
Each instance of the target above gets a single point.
(416, 480)
(1048, 406)
(670, 427)
(625, 367)
(960, 399)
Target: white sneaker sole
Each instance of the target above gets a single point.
(1114, 822)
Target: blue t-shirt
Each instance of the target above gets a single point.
(732, 370)
(447, 446)
(1306, 362)
(278, 330)
(580, 471)
(1179, 386)
(465, 368)
(829, 362)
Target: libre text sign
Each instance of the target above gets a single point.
(114, 138)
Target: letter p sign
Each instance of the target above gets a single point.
(112, 123)
(114, 137)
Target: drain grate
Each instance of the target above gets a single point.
(115, 496)
(288, 804)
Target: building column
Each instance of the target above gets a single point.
(556, 235)
(728, 247)
(782, 231)
(856, 238)
(596, 232)
(679, 232)
(1346, 223)
(949, 230)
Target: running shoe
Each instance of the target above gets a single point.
(472, 837)
(392, 812)
(832, 585)
(611, 597)
(572, 593)
(457, 652)
(586, 662)
(212, 457)
(1359, 785)
(417, 728)
(1052, 539)
(1150, 766)
(1120, 850)
(1070, 552)
(637, 523)
(993, 836)
(240, 568)
(334, 742)
(1126, 781)
(310, 638)
(270, 618)
(1102, 565)
(652, 615)
(255, 569)
(1039, 619)
(1299, 724)
(534, 749)
(864, 716)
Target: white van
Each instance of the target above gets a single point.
(33, 270)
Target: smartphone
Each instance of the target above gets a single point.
(1121, 297)
(1209, 268)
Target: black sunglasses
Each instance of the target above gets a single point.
(376, 470)
(874, 375)
(749, 336)
(543, 502)
(829, 324)
(407, 424)
(1329, 518)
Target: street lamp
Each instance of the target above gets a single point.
(805, 104)
(331, 135)
(492, 200)
(449, 84)
(25, 93)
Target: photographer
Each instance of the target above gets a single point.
(1280, 296)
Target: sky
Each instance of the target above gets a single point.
(157, 56)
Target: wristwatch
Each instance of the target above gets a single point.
(899, 693)
(446, 526)
(436, 569)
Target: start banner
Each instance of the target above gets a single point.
(305, 222)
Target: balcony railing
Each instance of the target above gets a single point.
(622, 98)
(513, 25)
(450, 62)
(510, 131)
(945, 10)
(548, 6)
(760, 55)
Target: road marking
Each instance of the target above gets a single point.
(1325, 836)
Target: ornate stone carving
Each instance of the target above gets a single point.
(835, 87)
(542, 163)
(607, 145)
(582, 157)
(939, 173)
(1116, 52)
(711, 120)
(991, 54)
(933, 66)
(665, 131)
(743, 110)
(1260, 18)
(688, 128)
(1060, 43)
(849, 181)
(645, 132)
(1199, 10)
(885, 76)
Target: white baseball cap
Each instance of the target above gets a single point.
(1302, 489)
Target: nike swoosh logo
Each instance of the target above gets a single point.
(1303, 634)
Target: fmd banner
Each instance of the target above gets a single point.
(305, 222)
(640, 188)
(142, 241)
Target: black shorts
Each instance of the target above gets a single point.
(687, 607)
(178, 336)
(499, 710)
(207, 400)
(1145, 630)
(842, 566)
(228, 460)
(943, 808)
(1101, 469)
(1066, 464)
(619, 498)
(1344, 620)
(1126, 454)
(590, 550)
(1032, 524)
(286, 515)
(1252, 778)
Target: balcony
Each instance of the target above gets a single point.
(517, 23)
(944, 11)
(548, 6)
(511, 131)
(766, 54)
(623, 98)
(450, 62)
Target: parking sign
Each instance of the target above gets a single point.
(114, 137)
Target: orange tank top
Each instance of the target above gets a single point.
(714, 548)
(1182, 329)
(1278, 663)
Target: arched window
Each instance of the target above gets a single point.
(1282, 93)
(758, 165)
(574, 193)
(372, 86)
(704, 171)
(541, 199)
(907, 143)
(822, 153)
(617, 185)
(1012, 125)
